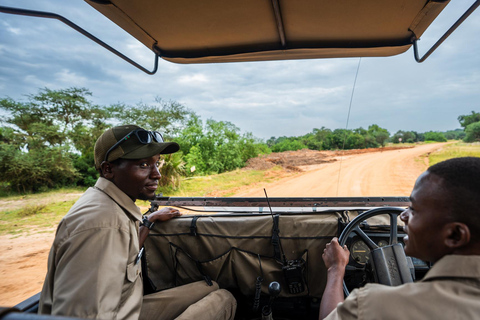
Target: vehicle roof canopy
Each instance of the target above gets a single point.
(186, 31)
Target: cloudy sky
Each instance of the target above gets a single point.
(282, 98)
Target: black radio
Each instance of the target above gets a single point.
(294, 276)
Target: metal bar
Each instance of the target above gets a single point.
(278, 19)
(282, 202)
(50, 15)
(473, 7)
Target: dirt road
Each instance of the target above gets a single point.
(23, 259)
(387, 173)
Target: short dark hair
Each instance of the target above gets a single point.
(461, 180)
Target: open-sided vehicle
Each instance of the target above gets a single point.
(267, 252)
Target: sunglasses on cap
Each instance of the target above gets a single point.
(143, 136)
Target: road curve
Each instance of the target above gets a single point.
(384, 173)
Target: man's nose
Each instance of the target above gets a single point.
(404, 215)
(155, 173)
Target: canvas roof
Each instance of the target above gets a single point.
(186, 31)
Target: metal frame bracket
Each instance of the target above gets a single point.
(50, 15)
(414, 39)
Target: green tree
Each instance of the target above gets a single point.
(472, 132)
(217, 146)
(49, 118)
(380, 135)
(355, 141)
(468, 119)
(291, 144)
(435, 136)
(47, 133)
(336, 139)
(316, 139)
(36, 170)
(456, 134)
(167, 117)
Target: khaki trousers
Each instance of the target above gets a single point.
(193, 301)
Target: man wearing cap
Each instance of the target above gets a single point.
(94, 265)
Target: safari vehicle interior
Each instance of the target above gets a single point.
(267, 251)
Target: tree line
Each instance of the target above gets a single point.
(47, 141)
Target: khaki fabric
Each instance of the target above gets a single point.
(200, 300)
(92, 271)
(91, 265)
(450, 290)
(234, 250)
(185, 31)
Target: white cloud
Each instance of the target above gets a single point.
(266, 98)
(193, 80)
(70, 78)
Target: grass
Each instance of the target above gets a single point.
(36, 212)
(33, 218)
(456, 150)
(224, 184)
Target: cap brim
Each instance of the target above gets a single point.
(151, 149)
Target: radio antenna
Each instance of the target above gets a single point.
(346, 126)
(276, 230)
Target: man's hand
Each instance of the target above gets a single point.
(164, 214)
(334, 256)
(336, 259)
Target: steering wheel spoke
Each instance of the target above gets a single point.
(369, 242)
(393, 228)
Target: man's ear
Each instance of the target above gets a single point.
(457, 235)
(107, 170)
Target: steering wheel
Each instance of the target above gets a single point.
(399, 255)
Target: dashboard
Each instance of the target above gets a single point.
(357, 273)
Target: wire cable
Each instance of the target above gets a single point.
(346, 126)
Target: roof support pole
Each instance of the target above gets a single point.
(472, 8)
(50, 15)
(278, 19)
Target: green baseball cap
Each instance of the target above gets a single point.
(131, 147)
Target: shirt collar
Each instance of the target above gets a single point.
(119, 197)
(458, 266)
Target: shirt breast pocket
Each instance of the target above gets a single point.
(133, 271)
(132, 274)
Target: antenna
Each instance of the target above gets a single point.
(268, 202)
(346, 126)
(275, 228)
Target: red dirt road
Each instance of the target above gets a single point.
(23, 259)
(383, 173)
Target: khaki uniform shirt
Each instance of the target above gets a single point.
(450, 290)
(91, 266)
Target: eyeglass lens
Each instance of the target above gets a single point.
(157, 136)
(143, 136)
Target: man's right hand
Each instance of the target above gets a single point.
(336, 259)
(335, 256)
(164, 214)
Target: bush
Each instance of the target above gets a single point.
(288, 145)
(435, 136)
(36, 170)
(171, 170)
(472, 132)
